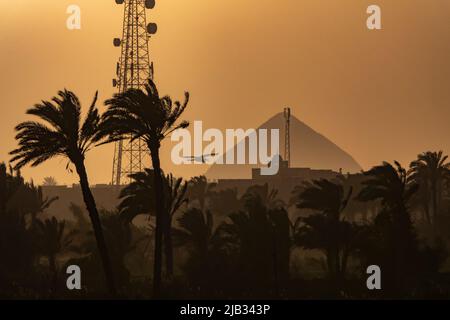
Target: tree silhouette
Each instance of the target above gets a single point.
(49, 182)
(430, 171)
(222, 202)
(395, 247)
(63, 134)
(138, 197)
(29, 199)
(136, 201)
(260, 236)
(53, 240)
(268, 196)
(200, 190)
(119, 237)
(196, 228)
(326, 229)
(17, 246)
(176, 192)
(143, 114)
(196, 231)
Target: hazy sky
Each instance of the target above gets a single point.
(379, 95)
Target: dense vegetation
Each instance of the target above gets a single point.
(199, 241)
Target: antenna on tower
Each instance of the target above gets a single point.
(287, 136)
(133, 71)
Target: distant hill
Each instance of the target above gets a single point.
(308, 149)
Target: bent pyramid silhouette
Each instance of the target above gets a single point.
(309, 149)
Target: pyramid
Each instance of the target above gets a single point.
(309, 149)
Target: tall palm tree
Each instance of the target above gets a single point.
(135, 201)
(143, 114)
(396, 240)
(62, 133)
(430, 171)
(326, 229)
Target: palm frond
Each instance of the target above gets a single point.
(141, 114)
(57, 134)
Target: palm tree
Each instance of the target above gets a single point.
(53, 240)
(392, 185)
(38, 203)
(135, 201)
(63, 134)
(196, 231)
(396, 239)
(195, 228)
(176, 198)
(430, 171)
(269, 197)
(200, 189)
(326, 229)
(260, 237)
(49, 182)
(29, 199)
(17, 246)
(143, 114)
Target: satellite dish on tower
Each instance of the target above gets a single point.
(117, 42)
(152, 28)
(149, 4)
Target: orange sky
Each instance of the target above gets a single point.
(380, 95)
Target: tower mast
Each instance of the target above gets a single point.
(287, 137)
(133, 71)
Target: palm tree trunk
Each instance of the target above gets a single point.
(96, 225)
(159, 229)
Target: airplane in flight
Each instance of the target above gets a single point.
(200, 159)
